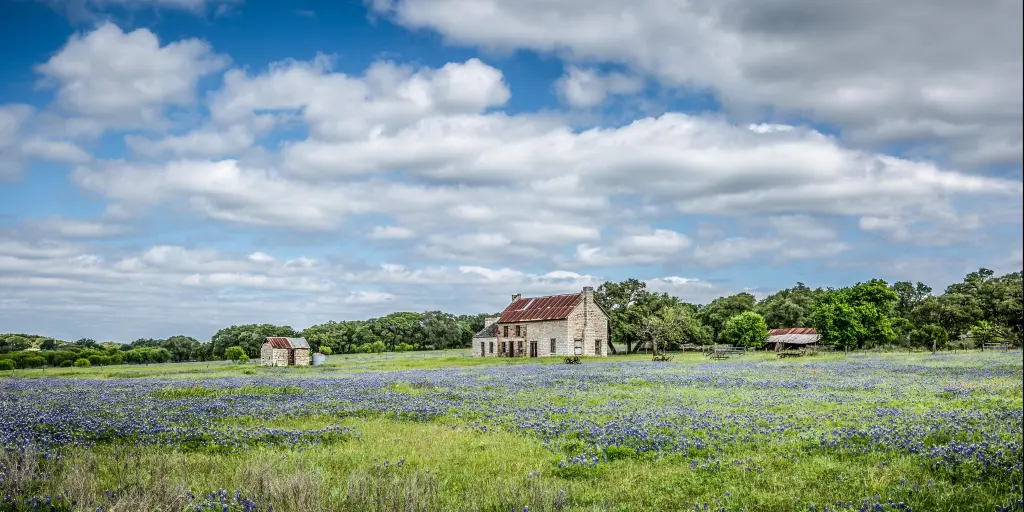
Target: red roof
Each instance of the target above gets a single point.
(281, 342)
(793, 330)
(556, 307)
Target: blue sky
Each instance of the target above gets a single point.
(176, 166)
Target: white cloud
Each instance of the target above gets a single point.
(391, 233)
(127, 78)
(585, 88)
(846, 64)
(656, 246)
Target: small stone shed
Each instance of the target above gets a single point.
(277, 351)
(485, 340)
(793, 338)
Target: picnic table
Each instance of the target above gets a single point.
(725, 351)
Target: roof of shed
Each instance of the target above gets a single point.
(794, 339)
(279, 342)
(491, 331)
(554, 307)
(793, 330)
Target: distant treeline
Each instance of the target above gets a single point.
(983, 307)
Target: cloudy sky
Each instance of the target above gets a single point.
(176, 166)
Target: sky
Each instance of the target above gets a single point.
(177, 166)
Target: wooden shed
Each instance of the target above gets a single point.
(793, 338)
(277, 351)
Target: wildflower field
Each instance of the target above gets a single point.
(834, 432)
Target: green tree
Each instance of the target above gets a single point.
(441, 330)
(82, 363)
(856, 317)
(910, 297)
(716, 314)
(790, 307)
(746, 329)
(234, 353)
(675, 325)
(929, 336)
(6, 365)
(326, 350)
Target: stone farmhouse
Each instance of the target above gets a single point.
(277, 351)
(557, 325)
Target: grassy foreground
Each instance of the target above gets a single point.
(448, 432)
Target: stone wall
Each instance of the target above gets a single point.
(302, 357)
(541, 332)
(588, 324)
(270, 356)
(490, 347)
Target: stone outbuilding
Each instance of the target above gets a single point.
(793, 338)
(485, 341)
(278, 351)
(552, 326)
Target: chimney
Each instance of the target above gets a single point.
(588, 293)
(516, 296)
(489, 321)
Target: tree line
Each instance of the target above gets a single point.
(982, 307)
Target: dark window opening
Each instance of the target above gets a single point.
(506, 331)
(490, 347)
(552, 345)
(518, 332)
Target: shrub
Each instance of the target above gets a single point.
(326, 350)
(33, 362)
(234, 353)
(82, 363)
(67, 363)
(746, 329)
(243, 359)
(6, 364)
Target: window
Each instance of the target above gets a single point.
(552, 345)
(482, 348)
(518, 332)
(490, 347)
(520, 346)
(503, 347)
(506, 331)
(597, 347)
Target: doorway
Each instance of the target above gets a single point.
(533, 349)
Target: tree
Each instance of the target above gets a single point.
(716, 314)
(441, 330)
(672, 326)
(856, 317)
(326, 350)
(910, 296)
(48, 344)
(790, 307)
(629, 306)
(82, 363)
(929, 336)
(6, 365)
(235, 353)
(746, 329)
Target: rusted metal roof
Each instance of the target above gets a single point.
(555, 307)
(491, 331)
(794, 339)
(279, 342)
(793, 330)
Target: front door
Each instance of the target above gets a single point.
(533, 349)
(482, 353)
(291, 358)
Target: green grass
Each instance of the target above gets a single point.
(448, 465)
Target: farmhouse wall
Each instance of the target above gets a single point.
(301, 357)
(589, 324)
(487, 344)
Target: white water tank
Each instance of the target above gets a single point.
(319, 359)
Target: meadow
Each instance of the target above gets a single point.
(448, 432)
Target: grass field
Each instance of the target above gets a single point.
(448, 432)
